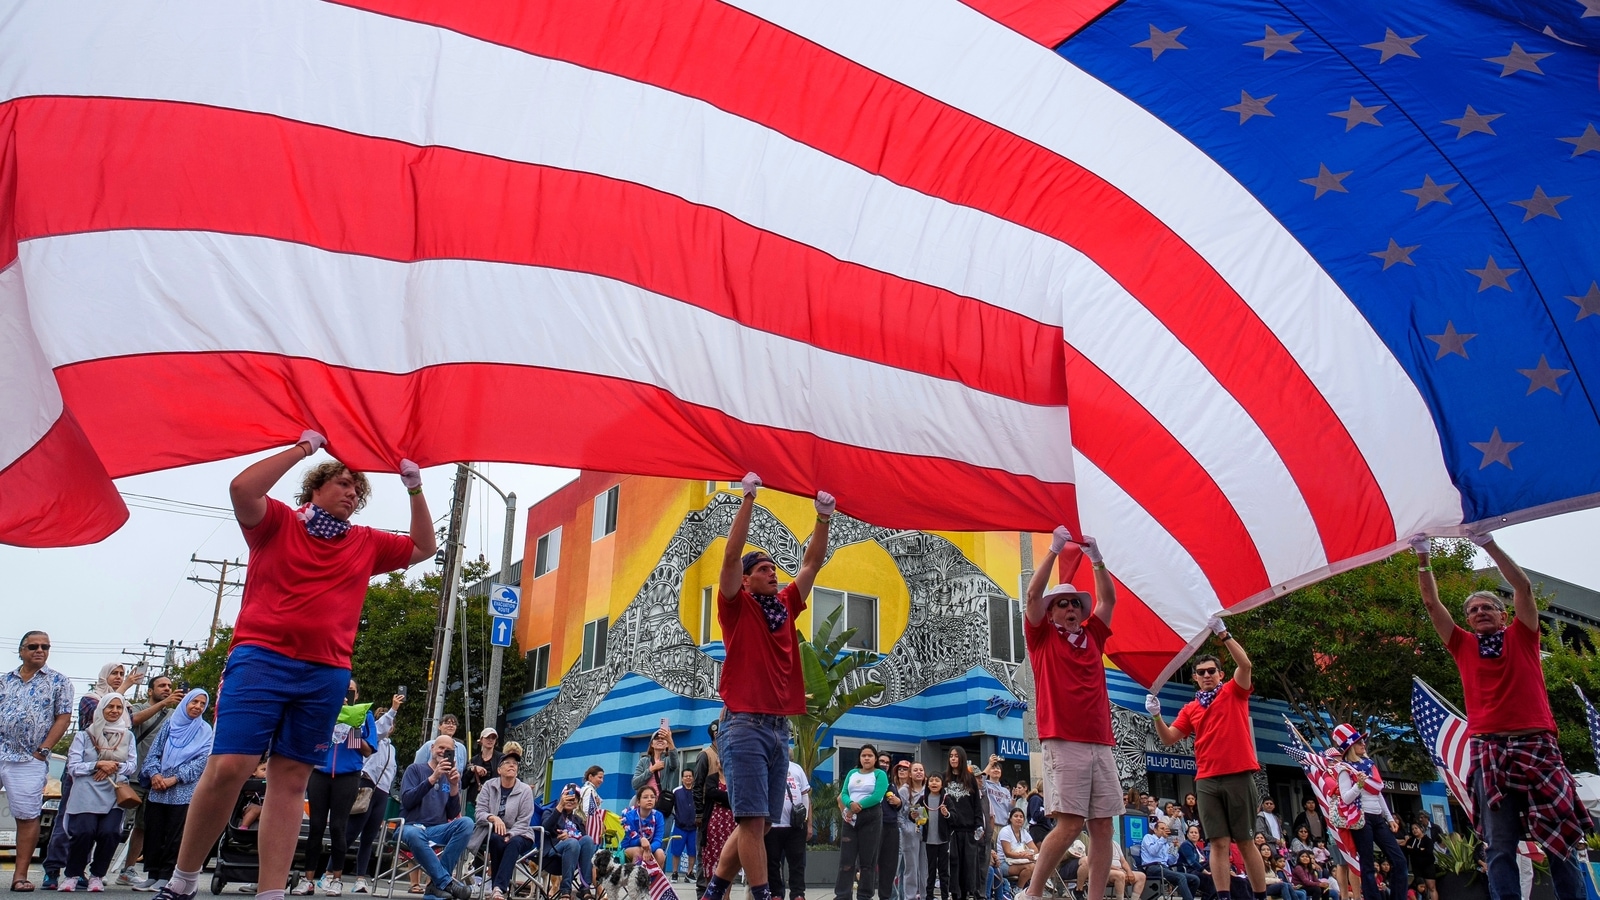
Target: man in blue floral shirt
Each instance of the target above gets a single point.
(35, 710)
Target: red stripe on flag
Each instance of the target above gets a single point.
(1048, 22)
(1138, 626)
(754, 69)
(58, 494)
(503, 413)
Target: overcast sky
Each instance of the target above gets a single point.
(96, 601)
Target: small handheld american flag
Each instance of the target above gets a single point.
(1325, 786)
(1444, 733)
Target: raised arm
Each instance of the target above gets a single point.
(1442, 621)
(1521, 586)
(1105, 591)
(817, 547)
(732, 578)
(248, 490)
(1036, 607)
(1168, 734)
(1241, 660)
(422, 537)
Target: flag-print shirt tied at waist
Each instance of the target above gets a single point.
(1531, 764)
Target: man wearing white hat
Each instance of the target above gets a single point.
(1065, 644)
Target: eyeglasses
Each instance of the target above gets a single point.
(1208, 670)
(36, 646)
(1070, 603)
(1486, 608)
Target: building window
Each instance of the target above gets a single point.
(860, 613)
(707, 613)
(605, 513)
(1005, 629)
(547, 552)
(594, 644)
(539, 668)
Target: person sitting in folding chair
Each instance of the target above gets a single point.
(1160, 860)
(570, 843)
(506, 805)
(430, 800)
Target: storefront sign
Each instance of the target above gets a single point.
(1003, 707)
(1012, 748)
(1400, 787)
(1169, 762)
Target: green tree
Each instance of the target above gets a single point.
(1344, 650)
(1567, 665)
(826, 665)
(394, 646)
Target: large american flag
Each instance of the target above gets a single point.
(1444, 733)
(1315, 277)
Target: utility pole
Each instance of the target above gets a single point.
(222, 583)
(451, 577)
(491, 702)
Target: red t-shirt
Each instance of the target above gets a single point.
(761, 669)
(1069, 683)
(1505, 694)
(302, 594)
(1223, 743)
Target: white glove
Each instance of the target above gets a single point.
(1420, 545)
(1482, 539)
(751, 484)
(410, 475)
(1091, 549)
(1215, 624)
(314, 438)
(825, 503)
(1152, 704)
(1059, 539)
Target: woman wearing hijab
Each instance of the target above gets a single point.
(111, 680)
(101, 756)
(177, 759)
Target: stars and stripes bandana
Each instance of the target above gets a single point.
(321, 523)
(1490, 646)
(1204, 698)
(774, 610)
(1531, 764)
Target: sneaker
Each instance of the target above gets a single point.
(128, 877)
(97, 885)
(249, 887)
(456, 888)
(149, 885)
(51, 881)
(67, 885)
(167, 893)
(331, 887)
(361, 886)
(304, 888)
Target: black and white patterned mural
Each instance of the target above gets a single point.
(946, 635)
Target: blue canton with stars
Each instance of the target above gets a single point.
(1441, 161)
(1429, 715)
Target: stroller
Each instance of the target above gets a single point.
(237, 859)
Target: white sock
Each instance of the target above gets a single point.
(183, 882)
(270, 895)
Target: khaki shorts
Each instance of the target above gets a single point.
(1227, 805)
(1080, 779)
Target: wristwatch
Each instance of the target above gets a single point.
(42, 750)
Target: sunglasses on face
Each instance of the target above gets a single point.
(1209, 670)
(1070, 603)
(36, 646)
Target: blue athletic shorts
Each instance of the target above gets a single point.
(269, 701)
(683, 843)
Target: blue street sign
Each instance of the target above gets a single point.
(505, 599)
(500, 632)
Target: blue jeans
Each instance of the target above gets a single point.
(1377, 832)
(1502, 830)
(503, 855)
(753, 748)
(1186, 883)
(576, 855)
(451, 835)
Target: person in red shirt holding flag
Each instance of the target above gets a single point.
(289, 665)
(1065, 643)
(1224, 754)
(1517, 768)
(761, 686)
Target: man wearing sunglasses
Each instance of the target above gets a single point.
(1224, 755)
(1065, 643)
(35, 710)
(1517, 769)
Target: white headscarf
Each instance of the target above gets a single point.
(113, 740)
(102, 686)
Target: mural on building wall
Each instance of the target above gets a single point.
(946, 636)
